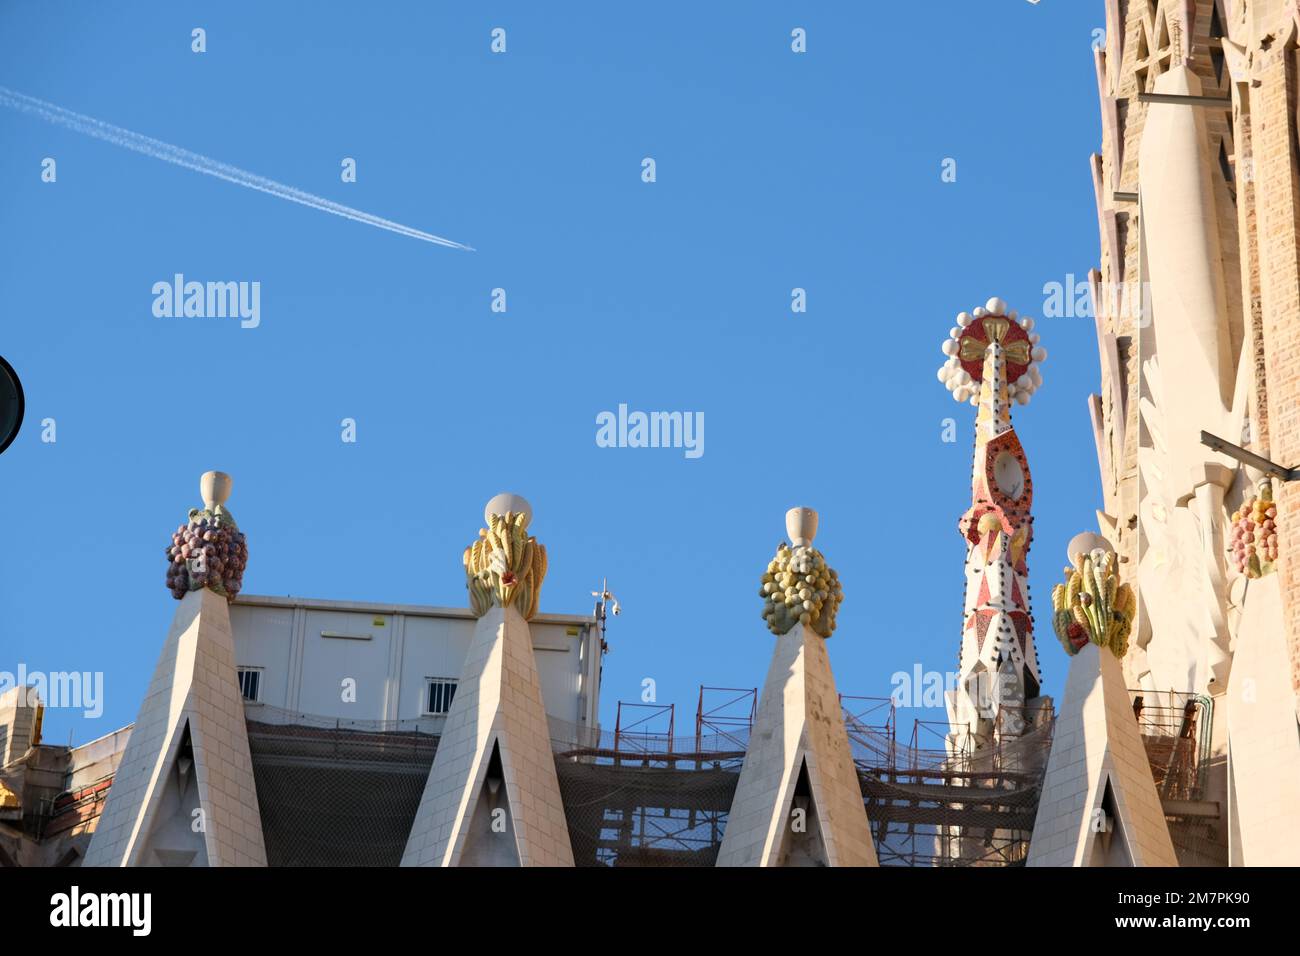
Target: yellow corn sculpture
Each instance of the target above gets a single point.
(1092, 605)
(799, 587)
(505, 565)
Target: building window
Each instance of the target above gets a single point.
(250, 683)
(437, 697)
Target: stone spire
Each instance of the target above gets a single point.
(798, 801)
(184, 793)
(1100, 806)
(492, 797)
(993, 360)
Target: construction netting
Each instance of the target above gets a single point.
(337, 792)
(646, 799)
(950, 804)
(1199, 838)
(345, 793)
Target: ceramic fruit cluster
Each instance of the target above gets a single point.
(208, 551)
(799, 587)
(1254, 534)
(1092, 604)
(505, 566)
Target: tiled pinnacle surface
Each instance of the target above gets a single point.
(1265, 745)
(194, 682)
(498, 701)
(1097, 739)
(798, 720)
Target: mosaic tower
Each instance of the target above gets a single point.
(993, 359)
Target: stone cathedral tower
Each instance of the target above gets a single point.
(1197, 308)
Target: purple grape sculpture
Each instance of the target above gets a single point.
(208, 551)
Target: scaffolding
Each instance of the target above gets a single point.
(337, 792)
(725, 715)
(644, 729)
(1176, 731)
(640, 796)
(937, 800)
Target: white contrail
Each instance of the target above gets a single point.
(183, 157)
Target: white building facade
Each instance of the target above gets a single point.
(369, 662)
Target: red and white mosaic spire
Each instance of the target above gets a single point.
(993, 358)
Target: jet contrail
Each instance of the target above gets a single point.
(183, 157)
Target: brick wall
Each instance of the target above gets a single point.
(1273, 105)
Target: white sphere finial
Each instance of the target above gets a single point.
(1085, 543)
(504, 504)
(214, 487)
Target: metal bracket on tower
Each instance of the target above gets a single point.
(1269, 468)
(1185, 99)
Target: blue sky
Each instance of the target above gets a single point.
(774, 171)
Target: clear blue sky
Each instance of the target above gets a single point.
(775, 170)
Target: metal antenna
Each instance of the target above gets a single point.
(604, 597)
